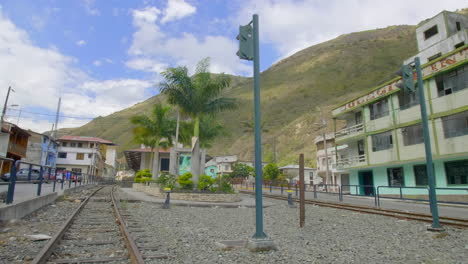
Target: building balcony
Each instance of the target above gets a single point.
(350, 162)
(348, 132)
(17, 149)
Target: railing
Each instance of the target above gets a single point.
(351, 161)
(39, 179)
(359, 190)
(349, 130)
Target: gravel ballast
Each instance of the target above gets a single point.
(17, 247)
(189, 235)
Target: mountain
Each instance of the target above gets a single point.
(322, 75)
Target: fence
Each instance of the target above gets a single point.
(35, 174)
(359, 190)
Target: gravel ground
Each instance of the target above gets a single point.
(329, 236)
(15, 247)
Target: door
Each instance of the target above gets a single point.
(366, 180)
(361, 151)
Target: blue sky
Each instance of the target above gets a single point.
(101, 56)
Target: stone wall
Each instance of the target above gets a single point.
(153, 189)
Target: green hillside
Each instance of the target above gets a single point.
(321, 75)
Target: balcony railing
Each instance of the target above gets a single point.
(350, 130)
(350, 162)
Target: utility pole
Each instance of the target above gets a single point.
(323, 126)
(54, 132)
(274, 150)
(5, 105)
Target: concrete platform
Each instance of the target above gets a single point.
(26, 205)
(247, 201)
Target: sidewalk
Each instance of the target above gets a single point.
(246, 201)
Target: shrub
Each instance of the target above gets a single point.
(185, 181)
(271, 171)
(222, 185)
(142, 174)
(166, 180)
(205, 182)
(143, 180)
(240, 170)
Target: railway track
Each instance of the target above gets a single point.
(94, 233)
(446, 221)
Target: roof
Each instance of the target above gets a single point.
(88, 139)
(7, 127)
(148, 150)
(232, 158)
(295, 167)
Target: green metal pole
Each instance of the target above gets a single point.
(258, 137)
(427, 145)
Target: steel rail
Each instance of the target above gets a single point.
(135, 254)
(47, 250)
(449, 221)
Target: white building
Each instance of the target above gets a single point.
(84, 154)
(336, 175)
(292, 171)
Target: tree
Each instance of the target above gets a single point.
(240, 170)
(154, 131)
(271, 171)
(196, 96)
(210, 128)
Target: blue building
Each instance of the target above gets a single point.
(42, 149)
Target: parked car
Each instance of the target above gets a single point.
(75, 178)
(23, 175)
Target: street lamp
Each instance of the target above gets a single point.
(19, 114)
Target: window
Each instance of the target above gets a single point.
(311, 174)
(458, 25)
(79, 156)
(164, 164)
(62, 155)
(433, 57)
(358, 117)
(431, 32)
(457, 172)
(453, 81)
(91, 145)
(90, 155)
(455, 125)
(73, 144)
(64, 144)
(412, 135)
(395, 177)
(212, 170)
(226, 167)
(61, 169)
(80, 145)
(378, 109)
(459, 45)
(408, 99)
(382, 141)
(420, 175)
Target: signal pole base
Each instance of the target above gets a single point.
(259, 245)
(435, 229)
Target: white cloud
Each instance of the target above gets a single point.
(152, 49)
(90, 8)
(292, 25)
(177, 9)
(40, 76)
(97, 63)
(81, 43)
(146, 64)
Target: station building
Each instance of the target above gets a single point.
(383, 134)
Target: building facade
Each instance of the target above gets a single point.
(42, 149)
(292, 172)
(13, 144)
(383, 136)
(336, 174)
(83, 154)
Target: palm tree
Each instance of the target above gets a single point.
(210, 128)
(196, 96)
(154, 131)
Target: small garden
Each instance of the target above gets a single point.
(184, 182)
